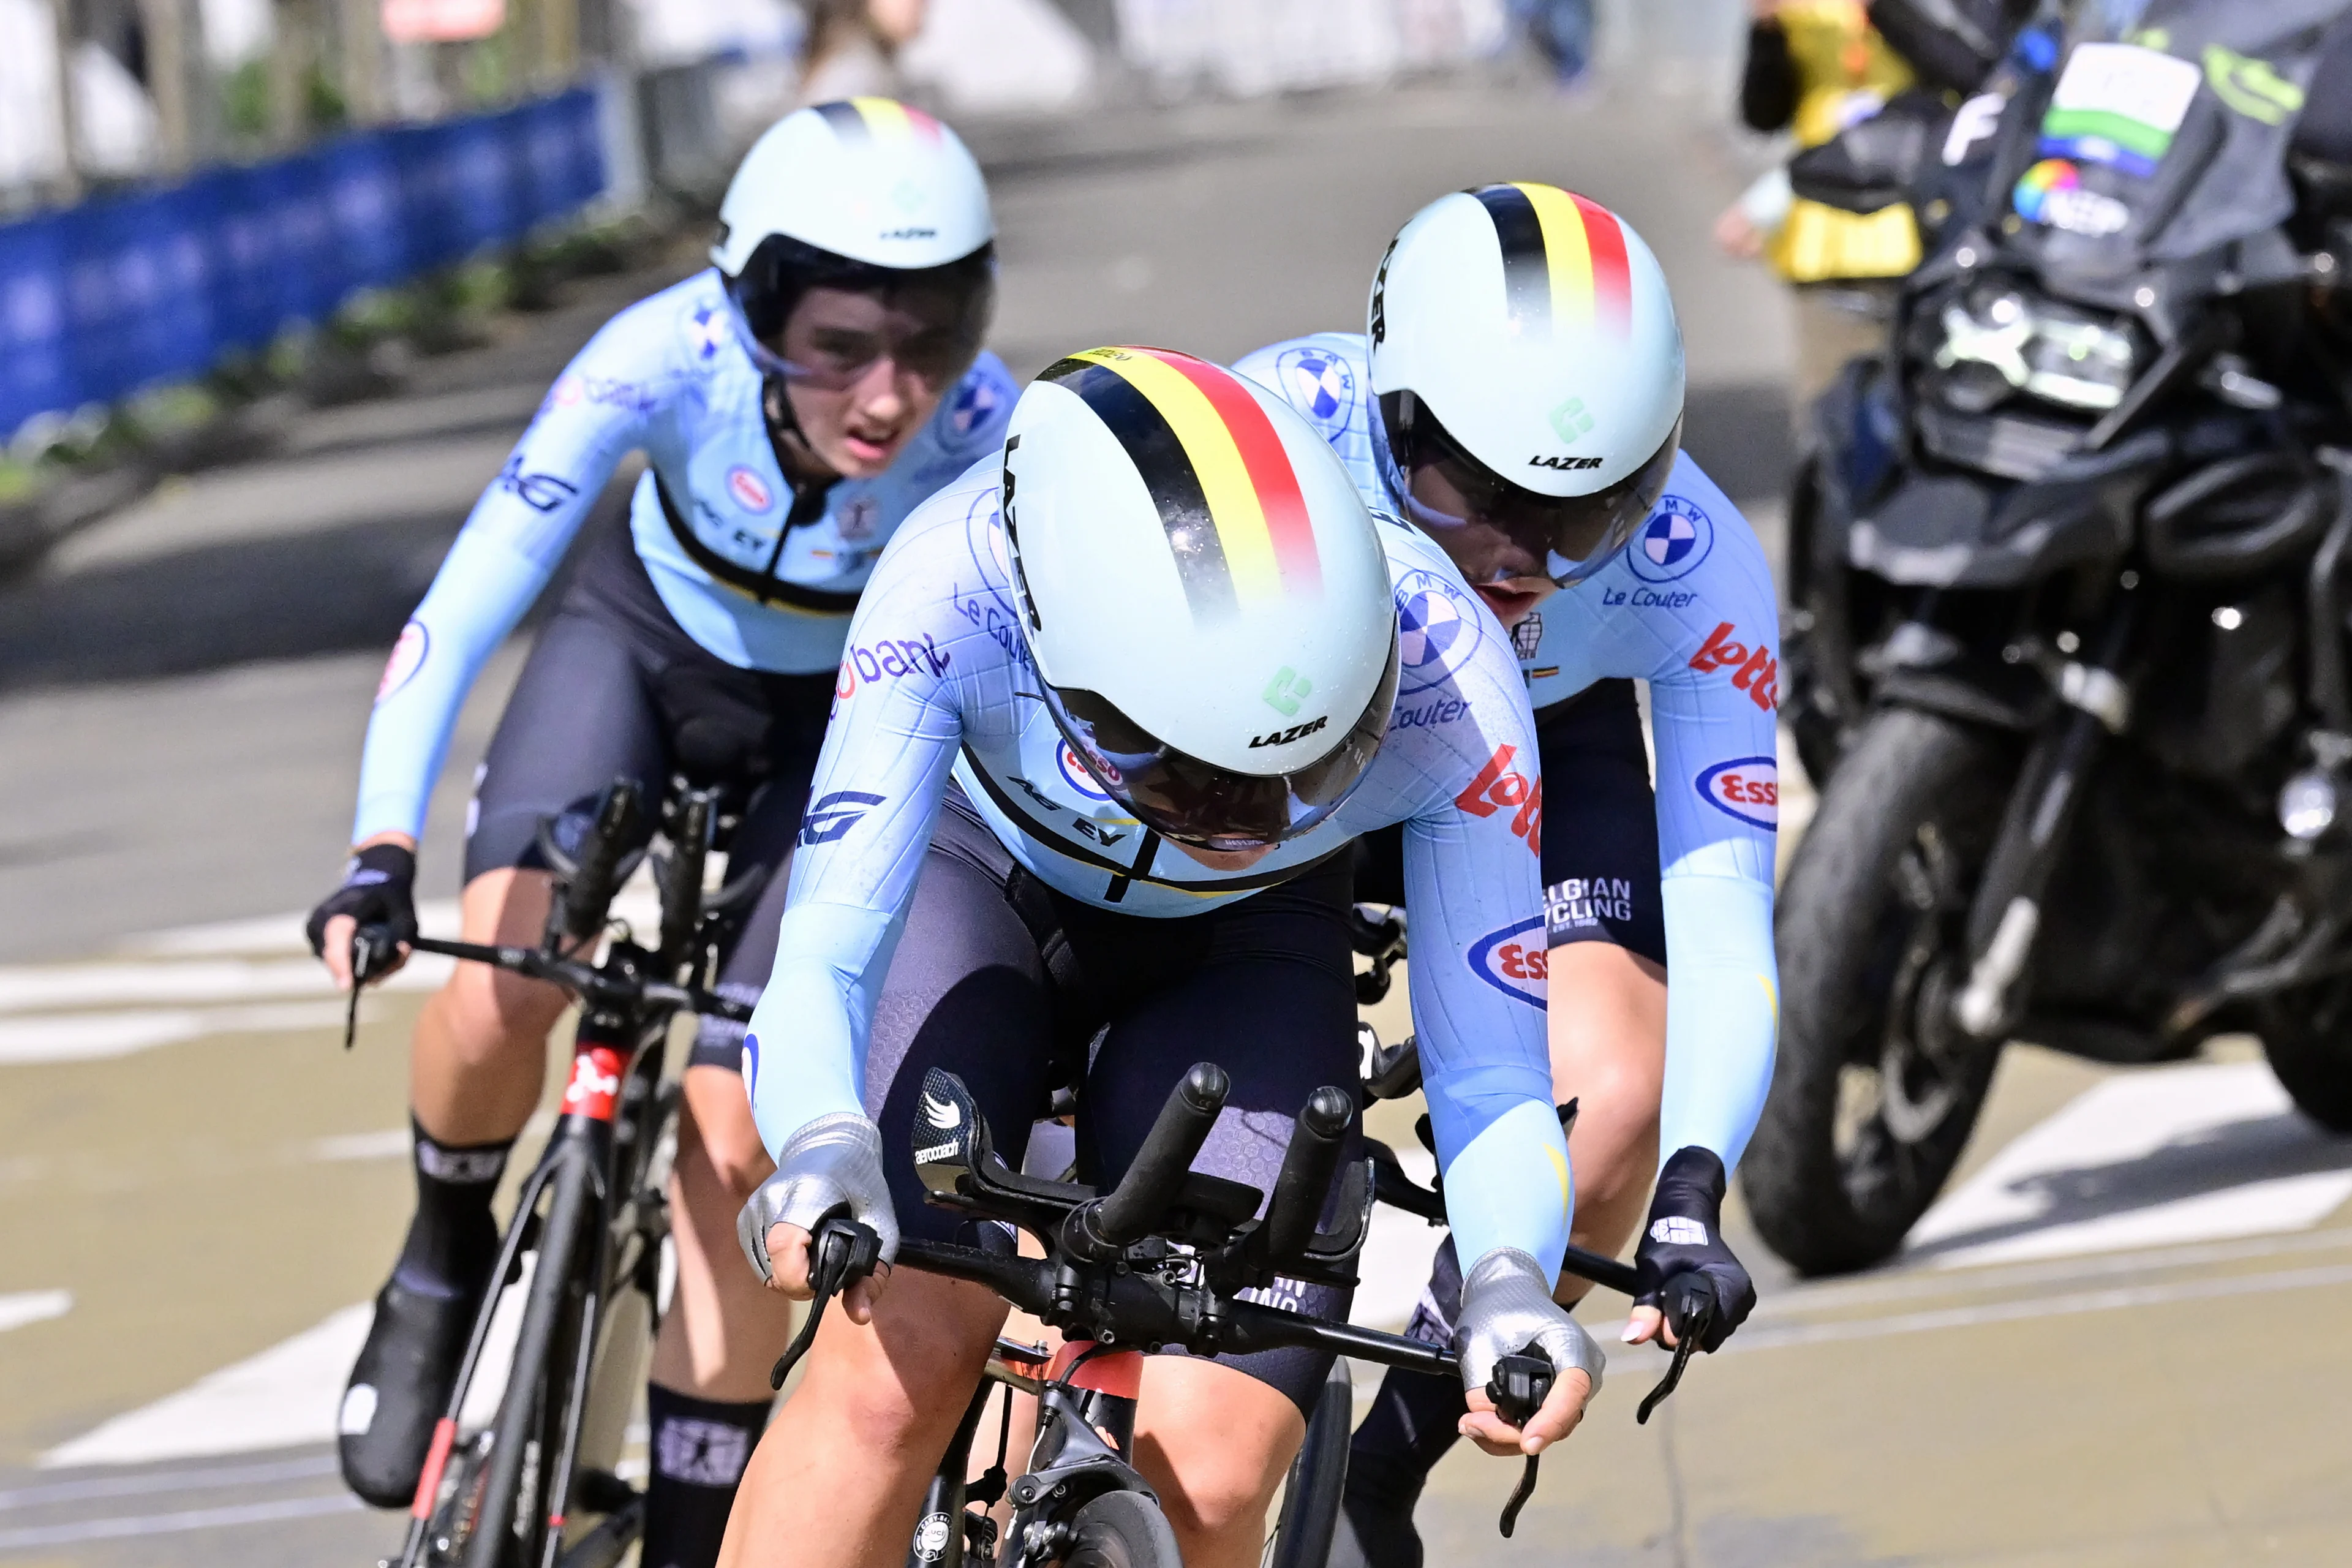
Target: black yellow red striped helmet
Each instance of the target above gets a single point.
(1204, 596)
(1529, 372)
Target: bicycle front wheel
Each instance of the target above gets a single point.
(1121, 1530)
(1310, 1498)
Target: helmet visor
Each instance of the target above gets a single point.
(809, 315)
(1183, 798)
(1453, 496)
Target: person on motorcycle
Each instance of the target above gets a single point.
(1098, 832)
(1518, 395)
(794, 402)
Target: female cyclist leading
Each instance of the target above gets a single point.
(1518, 395)
(1103, 835)
(794, 402)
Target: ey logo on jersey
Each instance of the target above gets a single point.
(1746, 787)
(1673, 543)
(1437, 630)
(1318, 381)
(1514, 960)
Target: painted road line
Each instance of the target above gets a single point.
(160, 1483)
(2166, 1155)
(33, 1307)
(102, 1036)
(636, 903)
(26, 1539)
(287, 1395)
(46, 987)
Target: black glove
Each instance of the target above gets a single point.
(378, 890)
(1684, 1235)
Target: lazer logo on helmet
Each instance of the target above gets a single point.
(1572, 463)
(1753, 668)
(1514, 960)
(910, 234)
(1296, 732)
(1498, 787)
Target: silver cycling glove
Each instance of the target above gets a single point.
(1506, 1307)
(833, 1162)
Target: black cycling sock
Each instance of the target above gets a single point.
(698, 1448)
(453, 1240)
(1414, 1419)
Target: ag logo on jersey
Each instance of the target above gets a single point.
(1437, 631)
(1318, 381)
(1673, 543)
(1514, 960)
(1746, 787)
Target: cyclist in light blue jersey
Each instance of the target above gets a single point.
(1091, 824)
(794, 402)
(1518, 395)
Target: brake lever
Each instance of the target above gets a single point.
(1689, 1307)
(372, 950)
(841, 1251)
(1519, 1387)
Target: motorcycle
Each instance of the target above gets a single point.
(2067, 649)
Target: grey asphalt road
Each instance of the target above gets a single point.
(198, 1190)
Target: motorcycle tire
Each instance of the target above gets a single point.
(2307, 1038)
(1875, 1090)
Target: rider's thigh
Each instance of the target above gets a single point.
(489, 1010)
(724, 1329)
(1607, 1029)
(1215, 1442)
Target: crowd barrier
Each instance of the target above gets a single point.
(99, 299)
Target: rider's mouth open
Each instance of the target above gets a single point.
(1510, 605)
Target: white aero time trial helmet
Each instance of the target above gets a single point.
(1203, 592)
(869, 196)
(1529, 373)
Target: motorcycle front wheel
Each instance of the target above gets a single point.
(1875, 1088)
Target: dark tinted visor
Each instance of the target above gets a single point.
(1566, 538)
(1200, 803)
(812, 316)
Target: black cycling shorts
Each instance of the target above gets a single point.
(615, 688)
(1020, 990)
(1600, 827)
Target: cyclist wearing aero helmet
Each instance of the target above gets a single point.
(1102, 835)
(1518, 395)
(794, 402)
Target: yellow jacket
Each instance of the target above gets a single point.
(1842, 68)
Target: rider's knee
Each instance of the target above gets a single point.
(490, 1015)
(1220, 1487)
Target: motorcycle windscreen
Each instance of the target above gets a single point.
(2166, 131)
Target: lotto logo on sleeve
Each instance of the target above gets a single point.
(595, 1083)
(1753, 668)
(1500, 787)
(1514, 960)
(1746, 787)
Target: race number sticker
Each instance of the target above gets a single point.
(2118, 104)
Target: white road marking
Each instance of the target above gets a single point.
(29, 988)
(174, 1523)
(288, 1394)
(155, 1483)
(98, 1036)
(1394, 1265)
(2168, 1154)
(33, 1307)
(392, 1143)
(266, 934)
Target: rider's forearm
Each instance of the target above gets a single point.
(480, 592)
(804, 1051)
(1723, 1008)
(1509, 1187)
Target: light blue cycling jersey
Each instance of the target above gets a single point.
(938, 683)
(1688, 606)
(761, 579)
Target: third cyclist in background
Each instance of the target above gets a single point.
(1518, 395)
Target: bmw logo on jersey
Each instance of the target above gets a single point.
(1673, 543)
(1437, 630)
(1319, 382)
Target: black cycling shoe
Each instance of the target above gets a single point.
(401, 1384)
(1375, 1533)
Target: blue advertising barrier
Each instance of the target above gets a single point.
(102, 299)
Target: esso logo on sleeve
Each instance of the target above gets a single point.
(1075, 775)
(407, 659)
(1514, 960)
(750, 490)
(1746, 787)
